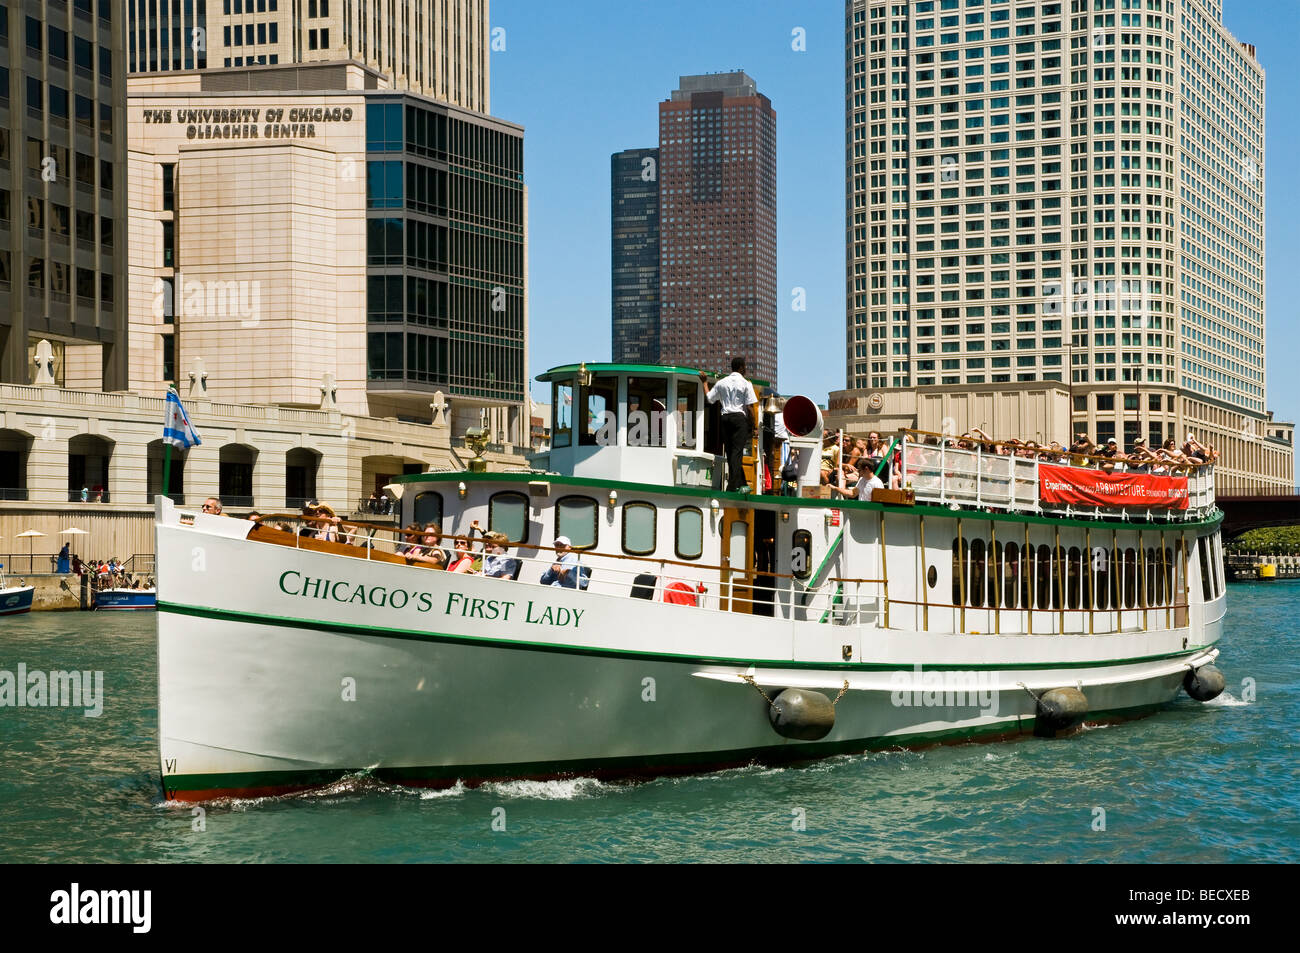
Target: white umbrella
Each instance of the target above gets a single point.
(73, 531)
(30, 534)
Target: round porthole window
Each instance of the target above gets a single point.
(932, 577)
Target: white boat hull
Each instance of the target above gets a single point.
(301, 667)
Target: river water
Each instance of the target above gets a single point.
(1195, 783)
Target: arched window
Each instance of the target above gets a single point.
(1130, 578)
(1202, 553)
(576, 518)
(1169, 575)
(428, 508)
(507, 513)
(1149, 574)
(975, 594)
(1101, 571)
(995, 575)
(1012, 572)
(1072, 570)
(639, 536)
(689, 532)
(801, 554)
(1044, 576)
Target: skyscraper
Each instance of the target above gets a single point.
(1062, 191)
(63, 204)
(435, 47)
(717, 225)
(634, 246)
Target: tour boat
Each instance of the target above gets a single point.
(126, 598)
(982, 597)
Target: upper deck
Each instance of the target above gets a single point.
(1064, 484)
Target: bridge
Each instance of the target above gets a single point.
(1245, 509)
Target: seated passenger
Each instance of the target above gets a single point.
(464, 559)
(565, 571)
(496, 563)
(429, 552)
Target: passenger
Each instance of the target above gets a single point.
(464, 559)
(284, 527)
(1194, 451)
(324, 521)
(429, 552)
(1111, 452)
(212, 505)
(496, 563)
(830, 456)
(254, 516)
(867, 481)
(565, 571)
(410, 539)
(1140, 458)
(1080, 450)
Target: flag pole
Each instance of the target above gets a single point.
(167, 458)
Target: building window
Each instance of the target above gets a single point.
(169, 245)
(169, 187)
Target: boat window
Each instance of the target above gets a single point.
(1101, 571)
(1072, 568)
(689, 536)
(1149, 577)
(975, 594)
(1012, 576)
(428, 508)
(1087, 579)
(508, 513)
(1217, 564)
(562, 413)
(1202, 545)
(959, 551)
(801, 554)
(1058, 575)
(639, 529)
(1169, 576)
(647, 411)
(1130, 578)
(1027, 577)
(688, 406)
(600, 413)
(575, 517)
(1115, 576)
(995, 575)
(1044, 576)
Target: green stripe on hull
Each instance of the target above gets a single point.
(228, 615)
(625, 767)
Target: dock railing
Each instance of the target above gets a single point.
(973, 478)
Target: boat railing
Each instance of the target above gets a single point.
(974, 478)
(836, 600)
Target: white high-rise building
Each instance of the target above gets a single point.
(438, 48)
(1067, 191)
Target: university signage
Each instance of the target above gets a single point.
(298, 122)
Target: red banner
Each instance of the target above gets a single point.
(1077, 485)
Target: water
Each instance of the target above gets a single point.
(1196, 783)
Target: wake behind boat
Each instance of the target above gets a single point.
(654, 624)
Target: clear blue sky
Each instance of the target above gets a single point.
(584, 78)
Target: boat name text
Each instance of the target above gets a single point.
(294, 583)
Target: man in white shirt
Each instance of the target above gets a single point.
(737, 396)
